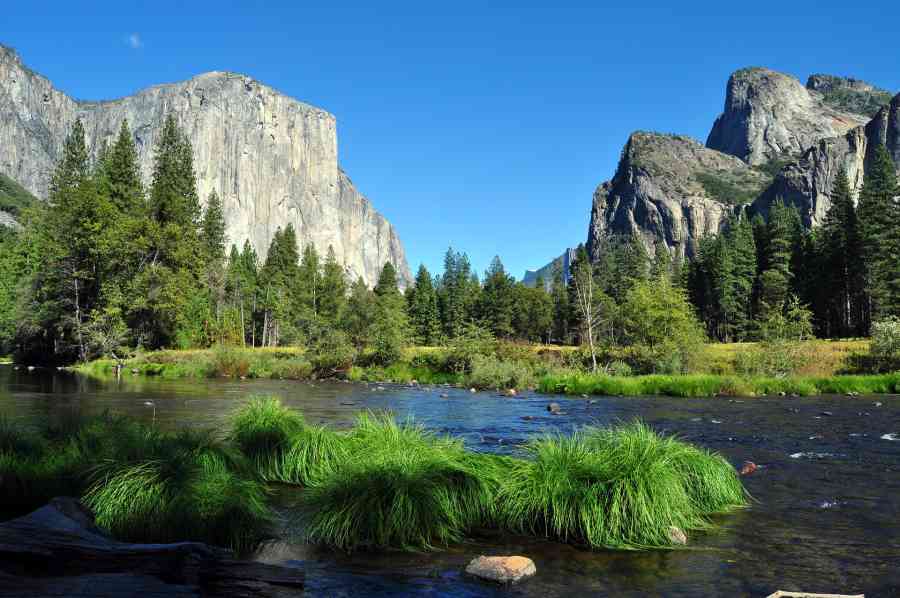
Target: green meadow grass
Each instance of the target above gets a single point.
(710, 385)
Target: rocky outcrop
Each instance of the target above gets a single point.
(671, 188)
(8, 220)
(807, 183)
(770, 116)
(272, 160)
(849, 94)
(58, 551)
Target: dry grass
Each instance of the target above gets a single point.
(828, 357)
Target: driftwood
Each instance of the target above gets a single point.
(58, 551)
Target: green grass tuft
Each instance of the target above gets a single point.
(621, 488)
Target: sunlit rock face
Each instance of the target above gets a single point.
(272, 159)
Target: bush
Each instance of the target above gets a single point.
(492, 372)
(332, 353)
(772, 358)
(619, 368)
(474, 341)
(885, 347)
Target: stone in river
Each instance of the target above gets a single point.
(554, 408)
(502, 569)
(677, 536)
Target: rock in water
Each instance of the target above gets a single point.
(677, 536)
(272, 159)
(502, 569)
(748, 468)
(554, 408)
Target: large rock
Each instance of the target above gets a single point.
(671, 188)
(57, 551)
(771, 116)
(808, 182)
(502, 569)
(272, 160)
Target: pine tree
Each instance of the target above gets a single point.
(360, 313)
(122, 174)
(740, 276)
(333, 294)
(390, 327)
(561, 312)
(497, 300)
(73, 167)
(457, 294)
(879, 214)
(841, 260)
(776, 279)
(422, 303)
(212, 231)
(662, 260)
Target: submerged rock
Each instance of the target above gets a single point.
(502, 569)
(554, 408)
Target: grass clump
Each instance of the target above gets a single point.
(400, 487)
(623, 488)
(143, 484)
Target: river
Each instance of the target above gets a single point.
(825, 515)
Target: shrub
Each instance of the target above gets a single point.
(777, 358)
(619, 368)
(491, 372)
(474, 341)
(332, 353)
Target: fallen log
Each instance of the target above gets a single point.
(58, 551)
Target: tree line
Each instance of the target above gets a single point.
(846, 272)
(108, 263)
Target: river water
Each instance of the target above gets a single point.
(825, 515)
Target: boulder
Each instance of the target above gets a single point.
(677, 536)
(502, 569)
(554, 408)
(76, 559)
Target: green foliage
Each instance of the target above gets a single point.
(424, 313)
(879, 214)
(732, 192)
(621, 488)
(473, 341)
(332, 353)
(497, 301)
(660, 328)
(857, 101)
(13, 197)
(777, 358)
(492, 372)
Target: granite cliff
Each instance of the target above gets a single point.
(272, 159)
(776, 139)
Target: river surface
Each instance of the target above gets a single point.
(825, 516)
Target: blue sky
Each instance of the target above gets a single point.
(485, 125)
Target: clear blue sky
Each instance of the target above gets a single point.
(485, 125)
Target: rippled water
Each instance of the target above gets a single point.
(826, 516)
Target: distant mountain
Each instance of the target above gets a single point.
(775, 138)
(272, 159)
(547, 272)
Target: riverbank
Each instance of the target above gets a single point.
(545, 369)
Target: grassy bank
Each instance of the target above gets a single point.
(380, 485)
(709, 385)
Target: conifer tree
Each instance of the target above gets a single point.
(879, 214)
(333, 294)
(497, 300)
(422, 303)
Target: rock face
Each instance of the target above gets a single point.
(769, 115)
(547, 272)
(671, 188)
(272, 160)
(808, 181)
